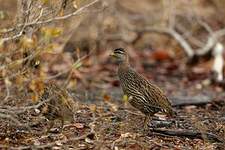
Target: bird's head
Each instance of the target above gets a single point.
(120, 55)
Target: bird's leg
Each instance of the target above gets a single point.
(62, 123)
(148, 118)
(50, 126)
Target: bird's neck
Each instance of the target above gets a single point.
(123, 66)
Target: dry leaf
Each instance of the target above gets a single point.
(58, 143)
(126, 135)
(78, 52)
(7, 82)
(160, 55)
(106, 97)
(1, 43)
(93, 107)
(79, 125)
(75, 4)
(34, 97)
(89, 140)
(37, 86)
(113, 106)
(77, 74)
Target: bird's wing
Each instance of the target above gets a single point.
(154, 94)
(158, 97)
(150, 94)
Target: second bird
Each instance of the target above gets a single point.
(142, 94)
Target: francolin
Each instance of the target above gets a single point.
(56, 104)
(142, 94)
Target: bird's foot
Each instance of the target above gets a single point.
(146, 122)
(55, 130)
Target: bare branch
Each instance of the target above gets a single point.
(13, 37)
(189, 35)
(217, 67)
(78, 61)
(37, 22)
(171, 32)
(183, 43)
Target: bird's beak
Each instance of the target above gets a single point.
(112, 54)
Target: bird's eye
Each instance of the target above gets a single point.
(119, 51)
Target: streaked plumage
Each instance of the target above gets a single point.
(143, 95)
(56, 104)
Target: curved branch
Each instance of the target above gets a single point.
(37, 22)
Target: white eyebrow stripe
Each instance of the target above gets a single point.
(119, 51)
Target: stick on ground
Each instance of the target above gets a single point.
(188, 133)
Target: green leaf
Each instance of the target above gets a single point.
(77, 64)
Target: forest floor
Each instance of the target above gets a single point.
(103, 120)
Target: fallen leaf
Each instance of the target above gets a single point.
(106, 97)
(79, 125)
(126, 135)
(89, 140)
(92, 107)
(34, 97)
(160, 55)
(59, 143)
(75, 4)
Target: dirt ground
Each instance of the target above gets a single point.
(103, 120)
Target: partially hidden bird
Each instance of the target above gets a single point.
(142, 94)
(56, 104)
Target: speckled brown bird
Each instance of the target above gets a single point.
(56, 104)
(142, 94)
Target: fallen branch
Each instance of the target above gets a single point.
(193, 100)
(171, 32)
(211, 44)
(188, 133)
(212, 40)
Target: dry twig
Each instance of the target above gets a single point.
(37, 21)
(188, 133)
